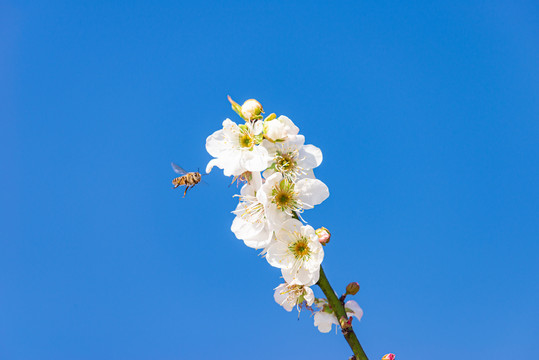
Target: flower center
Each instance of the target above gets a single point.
(285, 162)
(246, 140)
(284, 197)
(300, 248)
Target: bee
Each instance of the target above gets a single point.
(189, 179)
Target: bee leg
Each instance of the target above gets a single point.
(185, 192)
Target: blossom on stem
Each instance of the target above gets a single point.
(236, 148)
(291, 295)
(250, 223)
(280, 195)
(292, 158)
(297, 252)
(325, 317)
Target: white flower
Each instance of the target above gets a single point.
(250, 223)
(235, 148)
(325, 317)
(284, 196)
(290, 295)
(292, 158)
(297, 252)
(280, 128)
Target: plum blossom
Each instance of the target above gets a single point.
(280, 195)
(325, 317)
(292, 158)
(236, 148)
(271, 157)
(297, 252)
(250, 223)
(291, 295)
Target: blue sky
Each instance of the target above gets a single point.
(428, 117)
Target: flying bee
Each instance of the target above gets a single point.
(188, 179)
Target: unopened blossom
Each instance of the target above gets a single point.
(323, 235)
(236, 148)
(250, 109)
(292, 295)
(389, 357)
(292, 158)
(352, 288)
(280, 128)
(325, 317)
(280, 195)
(297, 252)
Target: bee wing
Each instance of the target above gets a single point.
(177, 169)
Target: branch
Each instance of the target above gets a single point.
(338, 307)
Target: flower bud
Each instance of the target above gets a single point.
(250, 109)
(352, 288)
(345, 323)
(323, 235)
(389, 357)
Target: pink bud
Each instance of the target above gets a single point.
(352, 288)
(389, 357)
(323, 235)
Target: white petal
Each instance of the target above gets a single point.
(256, 180)
(246, 230)
(287, 228)
(311, 192)
(293, 142)
(260, 241)
(324, 320)
(308, 295)
(300, 276)
(215, 143)
(311, 155)
(282, 295)
(278, 255)
(291, 129)
(211, 164)
(230, 162)
(353, 309)
(255, 159)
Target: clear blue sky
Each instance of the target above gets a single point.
(428, 118)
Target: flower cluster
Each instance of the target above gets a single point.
(276, 166)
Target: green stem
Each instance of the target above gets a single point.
(340, 312)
